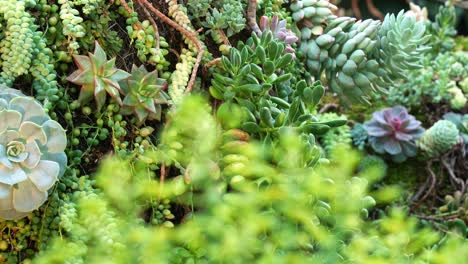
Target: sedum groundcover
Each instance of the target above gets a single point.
(233, 131)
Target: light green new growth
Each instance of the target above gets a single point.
(438, 139)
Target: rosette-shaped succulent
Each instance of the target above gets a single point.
(438, 139)
(279, 30)
(32, 154)
(394, 131)
(97, 76)
(144, 94)
(401, 44)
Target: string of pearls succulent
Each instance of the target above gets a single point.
(16, 47)
(71, 23)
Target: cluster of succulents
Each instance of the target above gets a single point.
(358, 57)
(435, 82)
(438, 139)
(393, 131)
(265, 133)
(32, 154)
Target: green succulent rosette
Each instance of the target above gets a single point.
(32, 154)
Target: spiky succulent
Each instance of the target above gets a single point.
(438, 139)
(279, 30)
(394, 131)
(144, 94)
(32, 154)
(97, 77)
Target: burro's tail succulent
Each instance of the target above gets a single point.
(394, 131)
(438, 139)
(32, 154)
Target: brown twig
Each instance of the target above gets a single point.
(373, 10)
(223, 37)
(453, 176)
(438, 219)
(431, 187)
(252, 17)
(186, 33)
(213, 63)
(355, 8)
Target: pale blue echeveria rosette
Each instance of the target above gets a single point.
(32, 154)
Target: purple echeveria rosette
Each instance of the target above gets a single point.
(394, 131)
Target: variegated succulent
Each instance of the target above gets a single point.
(32, 154)
(97, 76)
(144, 94)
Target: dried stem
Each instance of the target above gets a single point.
(355, 8)
(373, 10)
(186, 33)
(252, 17)
(431, 187)
(453, 176)
(213, 63)
(223, 37)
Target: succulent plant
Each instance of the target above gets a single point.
(373, 161)
(461, 121)
(144, 94)
(394, 131)
(32, 154)
(97, 76)
(359, 136)
(337, 136)
(402, 42)
(438, 139)
(359, 58)
(279, 30)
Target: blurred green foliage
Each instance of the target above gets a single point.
(302, 215)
